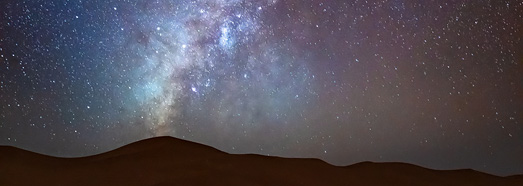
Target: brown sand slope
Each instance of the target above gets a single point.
(170, 161)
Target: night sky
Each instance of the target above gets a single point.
(434, 83)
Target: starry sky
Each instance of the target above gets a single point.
(434, 83)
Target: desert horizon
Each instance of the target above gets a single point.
(172, 161)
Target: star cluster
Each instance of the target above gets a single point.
(435, 83)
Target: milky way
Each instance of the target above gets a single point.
(438, 84)
(213, 56)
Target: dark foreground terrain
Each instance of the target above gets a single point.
(170, 161)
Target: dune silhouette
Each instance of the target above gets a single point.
(170, 161)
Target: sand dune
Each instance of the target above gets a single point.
(170, 161)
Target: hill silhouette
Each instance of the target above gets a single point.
(170, 161)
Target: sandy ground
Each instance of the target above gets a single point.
(170, 161)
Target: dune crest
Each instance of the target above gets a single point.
(171, 161)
